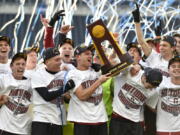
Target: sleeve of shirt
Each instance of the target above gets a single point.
(153, 99)
(37, 81)
(48, 40)
(76, 78)
(2, 84)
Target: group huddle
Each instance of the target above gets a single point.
(34, 94)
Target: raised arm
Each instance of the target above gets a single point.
(49, 28)
(63, 32)
(48, 40)
(145, 47)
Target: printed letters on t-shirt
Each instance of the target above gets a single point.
(171, 101)
(131, 96)
(19, 100)
(94, 98)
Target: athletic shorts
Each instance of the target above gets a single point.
(41, 128)
(86, 129)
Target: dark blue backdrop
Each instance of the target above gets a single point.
(78, 33)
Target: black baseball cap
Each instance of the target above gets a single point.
(175, 59)
(19, 56)
(67, 40)
(170, 40)
(5, 38)
(134, 45)
(49, 53)
(82, 48)
(153, 76)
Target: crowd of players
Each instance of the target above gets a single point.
(143, 99)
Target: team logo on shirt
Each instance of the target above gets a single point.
(19, 101)
(53, 86)
(131, 96)
(171, 101)
(95, 98)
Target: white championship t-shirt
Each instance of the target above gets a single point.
(69, 66)
(130, 96)
(5, 68)
(92, 110)
(44, 111)
(13, 114)
(168, 109)
(155, 60)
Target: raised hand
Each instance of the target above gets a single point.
(158, 29)
(135, 69)
(104, 78)
(3, 99)
(96, 67)
(136, 14)
(56, 17)
(66, 28)
(44, 21)
(58, 14)
(69, 85)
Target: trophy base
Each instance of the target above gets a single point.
(126, 61)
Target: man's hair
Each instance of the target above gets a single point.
(176, 35)
(175, 59)
(5, 38)
(18, 56)
(170, 40)
(134, 45)
(67, 40)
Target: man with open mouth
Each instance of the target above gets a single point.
(4, 54)
(17, 93)
(86, 107)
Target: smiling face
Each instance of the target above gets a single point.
(84, 60)
(177, 44)
(174, 70)
(165, 49)
(4, 49)
(66, 52)
(18, 68)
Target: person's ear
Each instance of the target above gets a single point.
(46, 62)
(11, 64)
(144, 78)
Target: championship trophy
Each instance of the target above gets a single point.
(99, 34)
